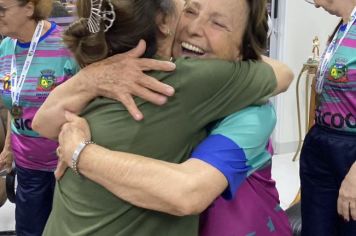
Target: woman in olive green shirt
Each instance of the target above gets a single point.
(206, 90)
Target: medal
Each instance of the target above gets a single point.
(16, 112)
(18, 82)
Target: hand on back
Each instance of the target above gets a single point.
(122, 76)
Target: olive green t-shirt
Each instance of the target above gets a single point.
(206, 90)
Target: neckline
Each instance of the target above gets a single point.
(43, 37)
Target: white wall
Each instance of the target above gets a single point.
(7, 217)
(299, 23)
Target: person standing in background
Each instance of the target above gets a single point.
(327, 162)
(33, 61)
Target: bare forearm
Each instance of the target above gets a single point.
(73, 96)
(7, 143)
(6, 153)
(178, 189)
(284, 74)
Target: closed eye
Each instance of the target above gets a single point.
(219, 24)
(190, 11)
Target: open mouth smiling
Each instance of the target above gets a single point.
(190, 49)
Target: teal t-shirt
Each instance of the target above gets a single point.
(206, 90)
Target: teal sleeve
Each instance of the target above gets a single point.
(251, 129)
(237, 145)
(214, 89)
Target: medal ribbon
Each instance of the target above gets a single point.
(329, 53)
(17, 84)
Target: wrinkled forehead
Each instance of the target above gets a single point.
(234, 10)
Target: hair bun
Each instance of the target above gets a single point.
(86, 47)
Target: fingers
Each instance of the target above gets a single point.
(152, 64)
(75, 130)
(131, 106)
(353, 210)
(149, 95)
(343, 208)
(2, 165)
(6, 160)
(60, 170)
(58, 151)
(8, 166)
(156, 86)
(138, 51)
(60, 135)
(339, 206)
(149, 64)
(144, 93)
(70, 117)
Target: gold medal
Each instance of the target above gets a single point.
(16, 111)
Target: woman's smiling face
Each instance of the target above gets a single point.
(211, 29)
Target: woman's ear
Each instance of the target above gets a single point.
(164, 24)
(30, 9)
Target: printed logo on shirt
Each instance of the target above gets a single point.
(23, 124)
(336, 120)
(47, 81)
(338, 73)
(6, 82)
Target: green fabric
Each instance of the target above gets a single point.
(206, 90)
